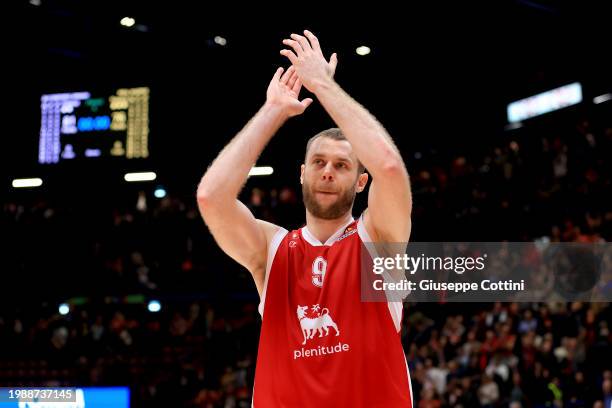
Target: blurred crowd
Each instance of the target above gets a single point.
(107, 259)
(200, 354)
(510, 355)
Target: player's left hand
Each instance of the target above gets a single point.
(307, 58)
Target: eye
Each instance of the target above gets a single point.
(318, 161)
(341, 165)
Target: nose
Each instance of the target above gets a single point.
(328, 172)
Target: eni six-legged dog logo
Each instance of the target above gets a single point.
(314, 321)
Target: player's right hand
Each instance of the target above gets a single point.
(284, 91)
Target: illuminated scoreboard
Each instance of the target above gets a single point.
(80, 125)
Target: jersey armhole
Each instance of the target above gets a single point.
(272, 248)
(395, 308)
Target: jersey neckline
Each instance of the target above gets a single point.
(312, 240)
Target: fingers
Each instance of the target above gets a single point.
(297, 86)
(289, 54)
(306, 102)
(288, 75)
(294, 78)
(302, 41)
(278, 74)
(314, 41)
(297, 47)
(301, 45)
(333, 62)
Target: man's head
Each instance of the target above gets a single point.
(331, 175)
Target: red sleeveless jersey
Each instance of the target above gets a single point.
(320, 345)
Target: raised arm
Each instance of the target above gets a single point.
(235, 229)
(390, 198)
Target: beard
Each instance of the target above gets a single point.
(343, 204)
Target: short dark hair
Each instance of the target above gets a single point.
(334, 134)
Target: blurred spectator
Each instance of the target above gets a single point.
(203, 341)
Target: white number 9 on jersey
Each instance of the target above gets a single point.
(319, 265)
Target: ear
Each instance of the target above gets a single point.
(302, 168)
(362, 182)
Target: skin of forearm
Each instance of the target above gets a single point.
(369, 139)
(229, 171)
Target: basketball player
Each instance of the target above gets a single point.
(320, 346)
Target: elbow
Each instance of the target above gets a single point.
(205, 196)
(207, 205)
(393, 166)
(202, 198)
(213, 195)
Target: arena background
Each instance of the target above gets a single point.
(439, 77)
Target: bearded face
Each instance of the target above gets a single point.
(326, 202)
(330, 179)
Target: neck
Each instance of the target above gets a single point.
(322, 229)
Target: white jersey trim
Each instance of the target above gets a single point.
(272, 248)
(312, 240)
(395, 307)
(409, 382)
